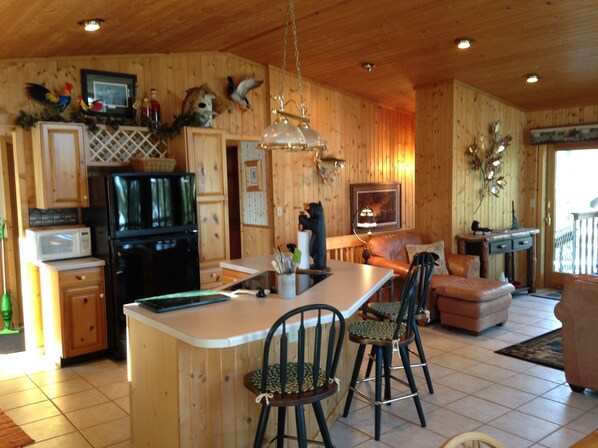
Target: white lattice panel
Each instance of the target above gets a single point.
(109, 146)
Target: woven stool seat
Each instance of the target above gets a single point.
(274, 385)
(372, 329)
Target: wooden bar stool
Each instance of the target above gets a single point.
(386, 337)
(308, 380)
(389, 310)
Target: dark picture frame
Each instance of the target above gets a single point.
(383, 198)
(116, 91)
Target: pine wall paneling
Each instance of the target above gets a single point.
(449, 117)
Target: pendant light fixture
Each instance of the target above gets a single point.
(282, 135)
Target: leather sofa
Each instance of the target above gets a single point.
(389, 251)
(578, 311)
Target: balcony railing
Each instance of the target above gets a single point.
(576, 247)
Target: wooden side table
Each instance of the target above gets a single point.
(503, 242)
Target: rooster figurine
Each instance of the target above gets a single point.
(95, 106)
(239, 92)
(58, 101)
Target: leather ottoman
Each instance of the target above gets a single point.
(474, 304)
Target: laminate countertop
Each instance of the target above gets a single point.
(246, 318)
(72, 263)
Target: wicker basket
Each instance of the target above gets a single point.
(153, 165)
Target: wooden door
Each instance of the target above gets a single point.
(60, 171)
(206, 157)
(84, 320)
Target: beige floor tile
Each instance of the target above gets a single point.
(509, 440)
(124, 403)
(363, 420)
(9, 372)
(442, 395)
(80, 400)
(125, 444)
(506, 362)
(489, 372)
(524, 425)
(96, 415)
(72, 440)
(442, 343)
(477, 408)
(67, 387)
(15, 385)
(22, 398)
(114, 375)
(586, 424)
(413, 436)
(531, 331)
(547, 373)
(564, 394)
(474, 352)
(562, 437)
(48, 428)
(455, 362)
(529, 384)
(505, 396)
(32, 364)
(115, 390)
(33, 412)
(346, 436)
(463, 382)
(550, 410)
(448, 423)
(109, 433)
(53, 376)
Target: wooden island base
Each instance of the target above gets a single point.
(186, 367)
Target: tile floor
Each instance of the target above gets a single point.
(519, 403)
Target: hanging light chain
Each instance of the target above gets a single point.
(296, 43)
(284, 59)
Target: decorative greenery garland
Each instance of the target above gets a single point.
(161, 131)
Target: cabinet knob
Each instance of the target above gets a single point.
(85, 300)
(84, 196)
(81, 277)
(101, 295)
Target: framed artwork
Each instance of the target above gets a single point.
(253, 175)
(116, 92)
(564, 134)
(384, 199)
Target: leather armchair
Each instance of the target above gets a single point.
(389, 251)
(578, 311)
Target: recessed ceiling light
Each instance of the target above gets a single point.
(463, 42)
(368, 66)
(91, 24)
(532, 77)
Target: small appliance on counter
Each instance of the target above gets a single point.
(144, 226)
(58, 244)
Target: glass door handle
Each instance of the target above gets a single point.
(548, 220)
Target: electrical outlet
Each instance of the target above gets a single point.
(293, 336)
(279, 211)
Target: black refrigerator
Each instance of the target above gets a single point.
(144, 226)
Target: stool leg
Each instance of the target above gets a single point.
(422, 358)
(360, 352)
(387, 361)
(404, 352)
(261, 426)
(282, 416)
(378, 350)
(322, 424)
(301, 432)
(368, 370)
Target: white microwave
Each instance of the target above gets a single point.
(59, 244)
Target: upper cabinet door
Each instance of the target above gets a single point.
(60, 169)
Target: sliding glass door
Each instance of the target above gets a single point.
(571, 213)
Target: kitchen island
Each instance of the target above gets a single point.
(186, 367)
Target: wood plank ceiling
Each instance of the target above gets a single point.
(411, 42)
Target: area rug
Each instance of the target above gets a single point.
(554, 294)
(11, 436)
(546, 350)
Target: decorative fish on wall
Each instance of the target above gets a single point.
(328, 167)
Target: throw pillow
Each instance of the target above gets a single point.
(437, 248)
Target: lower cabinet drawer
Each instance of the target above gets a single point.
(75, 277)
(208, 276)
(499, 247)
(522, 243)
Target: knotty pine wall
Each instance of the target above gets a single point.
(449, 117)
(376, 142)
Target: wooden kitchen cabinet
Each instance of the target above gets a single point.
(74, 313)
(59, 159)
(203, 152)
